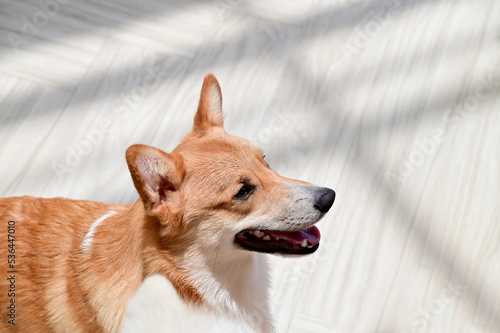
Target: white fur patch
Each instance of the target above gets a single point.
(87, 240)
(156, 307)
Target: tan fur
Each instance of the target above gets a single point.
(61, 287)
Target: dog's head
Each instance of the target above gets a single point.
(218, 188)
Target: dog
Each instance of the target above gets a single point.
(205, 213)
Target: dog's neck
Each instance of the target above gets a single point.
(231, 281)
(214, 276)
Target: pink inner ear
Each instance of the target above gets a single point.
(149, 165)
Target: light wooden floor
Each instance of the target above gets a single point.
(393, 104)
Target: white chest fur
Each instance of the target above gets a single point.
(235, 302)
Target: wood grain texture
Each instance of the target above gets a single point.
(394, 104)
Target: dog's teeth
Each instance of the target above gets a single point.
(276, 238)
(304, 243)
(267, 238)
(310, 246)
(257, 233)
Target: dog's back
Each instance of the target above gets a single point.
(42, 246)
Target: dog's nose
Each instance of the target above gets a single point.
(324, 199)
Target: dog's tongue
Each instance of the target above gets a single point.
(312, 235)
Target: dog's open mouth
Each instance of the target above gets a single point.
(285, 242)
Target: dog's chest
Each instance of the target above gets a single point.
(156, 307)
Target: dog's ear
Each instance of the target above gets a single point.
(209, 112)
(158, 177)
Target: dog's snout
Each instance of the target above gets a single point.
(324, 199)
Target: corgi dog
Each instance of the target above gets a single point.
(187, 251)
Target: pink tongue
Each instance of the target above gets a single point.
(312, 235)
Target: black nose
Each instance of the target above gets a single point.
(324, 199)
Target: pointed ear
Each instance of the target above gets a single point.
(158, 177)
(210, 108)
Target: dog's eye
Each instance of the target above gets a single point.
(244, 192)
